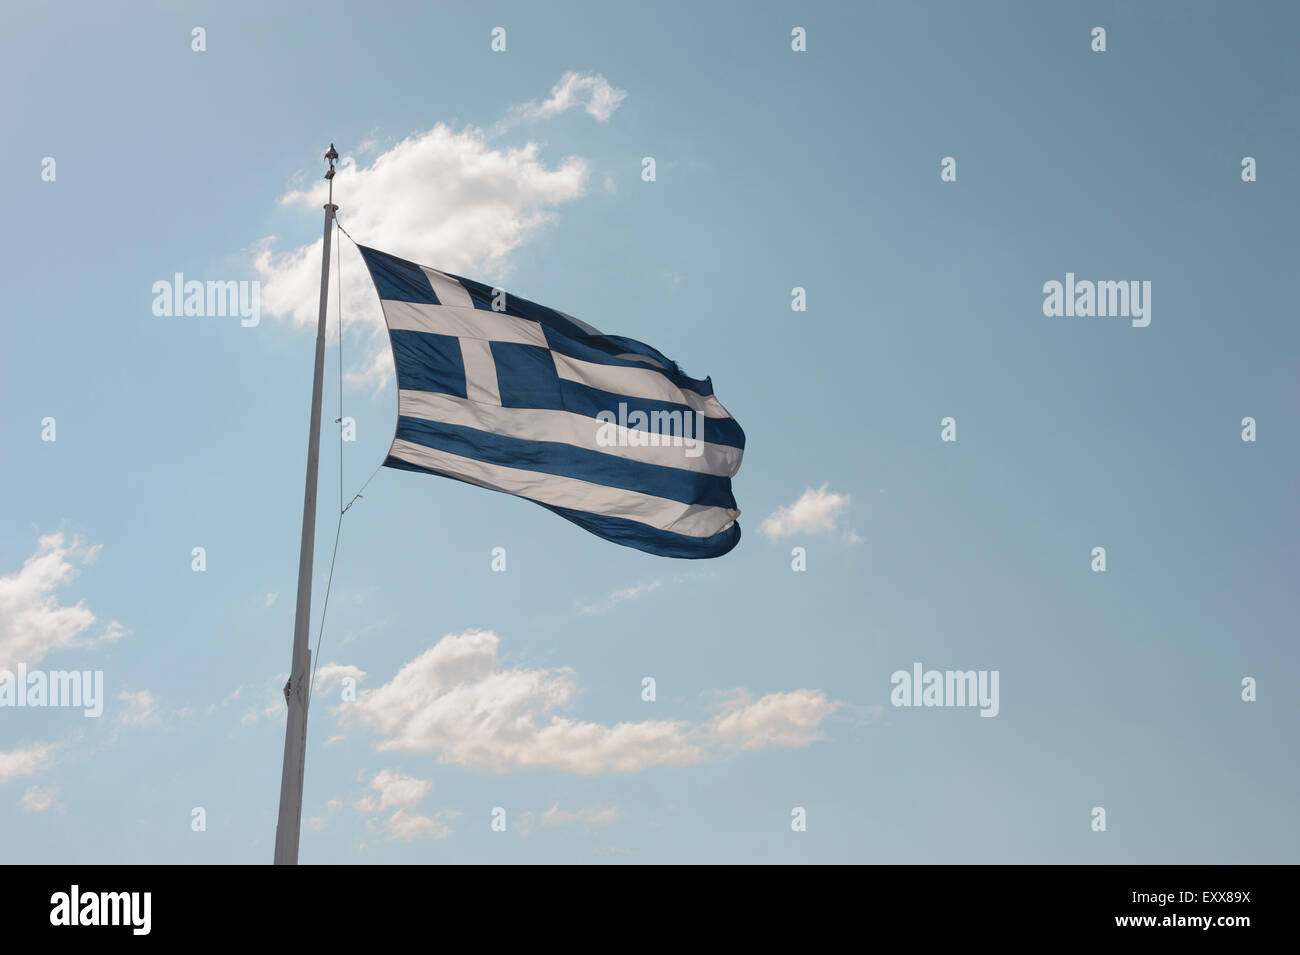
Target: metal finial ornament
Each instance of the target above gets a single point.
(331, 156)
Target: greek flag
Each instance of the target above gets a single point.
(605, 431)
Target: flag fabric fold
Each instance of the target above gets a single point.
(605, 431)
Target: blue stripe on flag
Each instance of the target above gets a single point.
(566, 460)
(586, 351)
(519, 308)
(629, 533)
(398, 279)
(526, 378)
(652, 539)
(589, 401)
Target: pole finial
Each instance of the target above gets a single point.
(331, 156)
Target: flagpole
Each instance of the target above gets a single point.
(298, 690)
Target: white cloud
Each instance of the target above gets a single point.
(555, 816)
(25, 761)
(615, 597)
(453, 700)
(407, 827)
(777, 719)
(394, 790)
(815, 512)
(332, 673)
(442, 198)
(270, 598)
(591, 91)
(259, 712)
(32, 621)
(37, 799)
(318, 823)
(141, 708)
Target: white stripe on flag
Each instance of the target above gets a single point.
(448, 290)
(635, 383)
(461, 322)
(544, 424)
(692, 520)
(581, 324)
(480, 371)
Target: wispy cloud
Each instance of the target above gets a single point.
(591, 91)
(139, 708)
(399, 793)
(39, 799)
(816, 512)
(32, 621)
(555, 816)
(403, 826)
(616, 597)
(26, 761)
(778, 719)
(333, 674)
(318, 823)
(455, 700)
(393, 789)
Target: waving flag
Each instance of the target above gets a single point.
(605, 431)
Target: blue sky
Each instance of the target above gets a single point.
(775, 169)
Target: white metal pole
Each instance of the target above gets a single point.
(298, 689)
